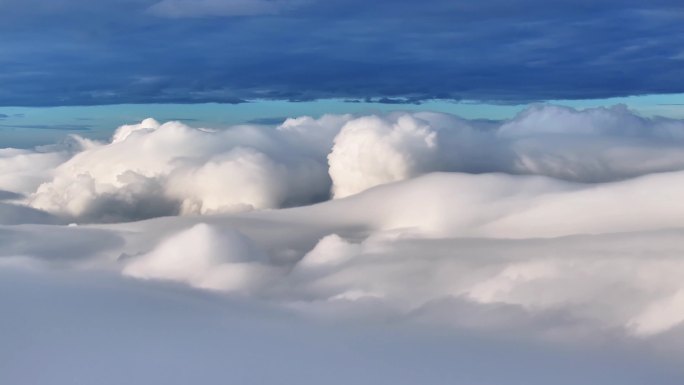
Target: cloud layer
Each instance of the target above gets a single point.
(152, 169)
(557, 230)
(69, 327)
(491, 50)
(220, 8)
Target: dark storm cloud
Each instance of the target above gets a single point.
(139, 51)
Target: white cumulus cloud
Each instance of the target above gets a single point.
(153, 169)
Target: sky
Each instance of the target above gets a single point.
(222, 62)
(25, 127)
(342, 191)
(182, 51)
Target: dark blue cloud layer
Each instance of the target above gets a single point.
(128, 51)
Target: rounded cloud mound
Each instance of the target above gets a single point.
(126, 130)
(204, 257)
(616, 121)
(370, 151)
(329, 251)
(153, 170)
(510, 206)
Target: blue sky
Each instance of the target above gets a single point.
(30, 126)
(84, 52)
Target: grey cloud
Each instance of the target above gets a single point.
(140, 334)
(64, 127)
(9, 195)
(15, 214)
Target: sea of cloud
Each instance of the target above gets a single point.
(151, 169)
(557, 229)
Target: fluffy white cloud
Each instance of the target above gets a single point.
(146, 126)
(22, 171)
(592, 145)
(412, 250)
(550, 259)
(576, 238)
(152, 169)
(414, 246)
(615, 121)
(203, 257)
(329, 251)
(370, 151)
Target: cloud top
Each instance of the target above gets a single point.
(154, 169)
(559, 228)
